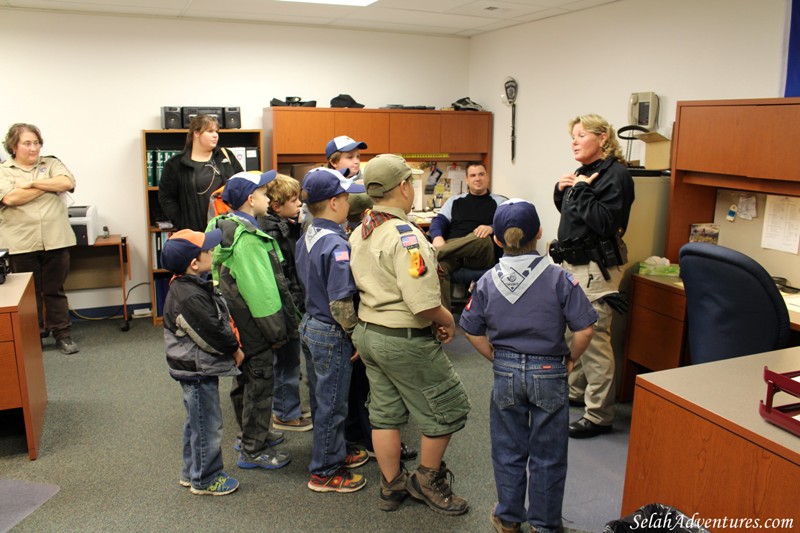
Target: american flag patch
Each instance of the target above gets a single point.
(572, 279)
(409, 240)
(343, 255)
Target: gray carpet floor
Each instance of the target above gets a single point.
(112, 443)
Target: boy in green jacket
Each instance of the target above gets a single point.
(247, 267)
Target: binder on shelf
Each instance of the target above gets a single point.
(240, 154)
(252, 159)
(151, 177)
(162, 288)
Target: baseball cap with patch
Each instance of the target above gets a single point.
(242, 184)
(516, 213)
(323, 183)
(384, 172)
(185, 245)
(343, 143)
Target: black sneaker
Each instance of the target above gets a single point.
(67, 345)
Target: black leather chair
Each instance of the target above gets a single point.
(733, 307)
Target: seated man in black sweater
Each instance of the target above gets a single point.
(462, 231)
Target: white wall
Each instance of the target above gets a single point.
(92, 83)
(590, 62)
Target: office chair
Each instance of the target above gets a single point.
(733, 307)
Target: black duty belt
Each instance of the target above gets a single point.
(405, 333)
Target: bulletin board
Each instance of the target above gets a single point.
(745, 236)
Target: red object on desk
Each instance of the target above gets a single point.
(782, 416)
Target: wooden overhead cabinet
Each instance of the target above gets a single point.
(748, 145)
(299, 135)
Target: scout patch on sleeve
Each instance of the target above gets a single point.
(418, 267)
(571, 279)
(341, 256)
(409, 240)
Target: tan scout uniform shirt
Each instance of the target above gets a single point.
(41, 224)
(390, 296)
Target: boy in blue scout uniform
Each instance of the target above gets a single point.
(400, 317)
(201, 345)
(323, 264)
(516, 318)
(247, 267)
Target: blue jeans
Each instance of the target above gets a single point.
(328, 350)
(286, 367)
(529, 425)
(202, 432)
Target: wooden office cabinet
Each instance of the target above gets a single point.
(748, 145)
(22, 383)
(295, 135)
(362, 125)
(466, 132)
(303, 132)
(156, 143)
(656, 329)
(415, 132)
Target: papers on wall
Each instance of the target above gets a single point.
(747, 207)
(781, 224)
(457, 178)
(419, 194)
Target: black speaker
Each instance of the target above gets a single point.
(170, 118)
(190, 112)
(233, 118)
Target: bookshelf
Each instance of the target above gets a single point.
(157, 147)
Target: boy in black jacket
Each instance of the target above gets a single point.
(281, 224)
(201, 345)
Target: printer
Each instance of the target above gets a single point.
(83, 219)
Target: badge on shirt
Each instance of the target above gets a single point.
(571, 279)
(410, 242)
(469, 304)
(341, 256)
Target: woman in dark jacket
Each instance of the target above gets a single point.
(189, 178)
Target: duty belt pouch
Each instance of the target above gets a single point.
(555, 252)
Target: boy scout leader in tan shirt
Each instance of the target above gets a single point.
(400, 318)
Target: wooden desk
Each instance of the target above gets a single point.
(656, 333)
(697, 442)
(22, 381)
(100, 266)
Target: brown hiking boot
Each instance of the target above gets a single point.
(432, 487)
(393, 494)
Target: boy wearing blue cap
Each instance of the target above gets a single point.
(343, 153)
(247, 266)
(323, 263)
(516, 318)
(201, 345)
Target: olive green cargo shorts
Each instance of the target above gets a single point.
(411, 376)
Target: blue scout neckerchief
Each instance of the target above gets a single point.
(514, 275)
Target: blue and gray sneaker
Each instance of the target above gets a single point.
(269, 459)
(222, 486)
(273, 439)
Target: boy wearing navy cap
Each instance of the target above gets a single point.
(516, 318)
(201, 345)
(323, 263)
(247, 266)
(342, 153)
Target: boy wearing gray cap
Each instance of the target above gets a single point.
(402, 324)
(201, 345)
(516, 318)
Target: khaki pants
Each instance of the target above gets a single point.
(592, 379)
(468, 251)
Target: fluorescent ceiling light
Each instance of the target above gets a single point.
(359, 3)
